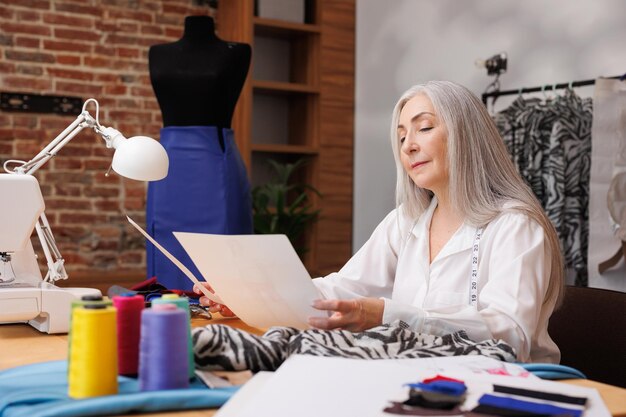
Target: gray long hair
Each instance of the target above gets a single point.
(482, 175)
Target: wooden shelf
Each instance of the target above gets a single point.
(298, 102)
(285, 149)
(277, 87)
(282, 29)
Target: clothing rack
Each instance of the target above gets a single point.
(498, 93)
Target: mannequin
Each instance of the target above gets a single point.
(198, 78)
(197, 81)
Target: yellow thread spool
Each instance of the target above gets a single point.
(84, 300)
(93, 357)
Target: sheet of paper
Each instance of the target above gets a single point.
(237, 402)
(179, 264)
(259, 277)
(310, 386)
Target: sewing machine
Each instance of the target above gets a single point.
(24, 295)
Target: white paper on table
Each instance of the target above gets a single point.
(259, 277)
(244, 395)
(312, 386)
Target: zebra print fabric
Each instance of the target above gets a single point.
(550, 143)
(219, 347)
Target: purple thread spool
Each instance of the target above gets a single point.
(163, 354)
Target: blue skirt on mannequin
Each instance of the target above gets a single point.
(206, 191)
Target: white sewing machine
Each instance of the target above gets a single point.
(24, 295)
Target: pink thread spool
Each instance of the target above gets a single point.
(129, 309)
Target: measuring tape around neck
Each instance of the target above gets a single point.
(474, 277)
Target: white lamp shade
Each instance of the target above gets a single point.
(140, 158)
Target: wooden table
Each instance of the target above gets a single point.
(20, 344)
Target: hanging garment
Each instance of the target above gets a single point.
(520, 125)
(608, 163)
(550, 144)
(524, 127)
(538, 122)
(206, 191)
(568, 169)
(510, 125)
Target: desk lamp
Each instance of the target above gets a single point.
(24, 295)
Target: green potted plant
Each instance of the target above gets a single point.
(284, 207)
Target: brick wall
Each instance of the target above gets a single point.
(86, 48)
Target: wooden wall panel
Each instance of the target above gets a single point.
(334, 230)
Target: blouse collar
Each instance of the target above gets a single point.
(461, 240)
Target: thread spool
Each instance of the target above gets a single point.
(84, 300)
(163, 360)
(129, 309)
(182, 303)
(93, 357)
(90, 300)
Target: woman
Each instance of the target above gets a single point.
(468, 246)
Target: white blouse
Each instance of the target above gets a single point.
(513, 276)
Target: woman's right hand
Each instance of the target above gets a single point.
(213, 306)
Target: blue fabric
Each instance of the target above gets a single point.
(528, 406)
(552, 371)
(442, 387)
(40, 390)
(206, 191)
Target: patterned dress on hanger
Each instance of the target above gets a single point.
(550, 144)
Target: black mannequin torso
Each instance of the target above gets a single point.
(197, 79)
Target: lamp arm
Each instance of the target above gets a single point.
(83, 120)
(55, 145)
(112, 138)
(54, 259)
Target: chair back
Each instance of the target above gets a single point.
(590, 330)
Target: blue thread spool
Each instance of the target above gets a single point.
(182, 303)
(163, 357)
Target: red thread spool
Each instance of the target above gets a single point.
(129, 309)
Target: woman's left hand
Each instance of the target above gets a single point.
(355, 315)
